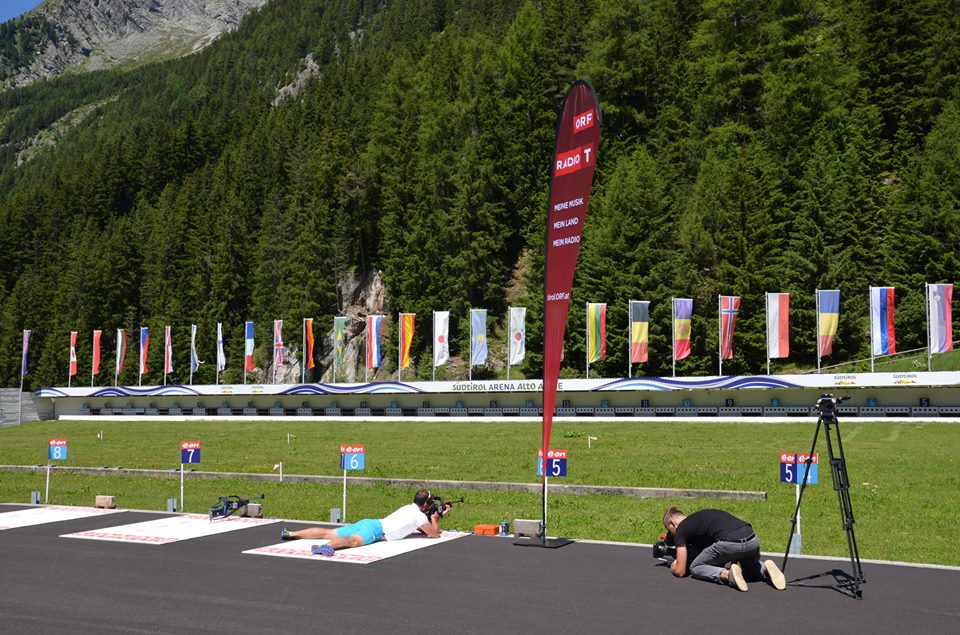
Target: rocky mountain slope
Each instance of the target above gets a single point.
(69, 35)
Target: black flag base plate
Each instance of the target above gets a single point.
(547, 543)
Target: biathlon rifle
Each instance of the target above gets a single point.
(229, 504)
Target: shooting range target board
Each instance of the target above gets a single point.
(359, 555)
(49, 514)
(172, 529)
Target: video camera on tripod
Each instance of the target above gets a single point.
(827, 404)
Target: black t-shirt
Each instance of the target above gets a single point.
(705, 527)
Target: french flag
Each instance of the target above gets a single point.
(144, 346)
(881, 321)
(373, 340)
(248, 347)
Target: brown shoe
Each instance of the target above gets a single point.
(735, 578)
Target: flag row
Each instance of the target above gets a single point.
(372, 336)
(939, 300)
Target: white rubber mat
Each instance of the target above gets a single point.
(358, 555)
(48, 514)
(171, 529)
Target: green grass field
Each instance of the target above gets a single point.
(905, 482)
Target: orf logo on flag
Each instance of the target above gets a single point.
(584, 121)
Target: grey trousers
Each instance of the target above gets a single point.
(711, 561)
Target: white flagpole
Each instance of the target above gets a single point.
(629, 341)
(816, 293)
(470, 365)
(673, 331)
(720, 329)
(870, 305)
(399, 345)
(435, 347)
(926, 288)
(366, 362)
(93, 343)
(69, 364)
(586, 341)
(20, 399)
(766, 296)
(303, 352)
(116, 362)
(509, 337)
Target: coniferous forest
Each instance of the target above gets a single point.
(747, 147)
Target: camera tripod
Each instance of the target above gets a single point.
(827, 406)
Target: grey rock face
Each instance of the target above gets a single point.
(107, 33)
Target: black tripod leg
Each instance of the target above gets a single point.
(841, 483)
(803, 487)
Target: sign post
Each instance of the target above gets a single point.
(56, 451)
(189, 453)
(351, 458)
(793, 467)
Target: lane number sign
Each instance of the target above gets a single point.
(556, 462)
(793, 466)
(351, 457)
(57, 450)
(189, 452)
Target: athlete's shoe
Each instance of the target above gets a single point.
(774, 576)
(322, 550)
(735, 579)
(286, 534)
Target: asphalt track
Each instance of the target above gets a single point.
(475, 584)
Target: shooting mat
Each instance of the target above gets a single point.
(358, 555)
(172, 529)
(50, 514)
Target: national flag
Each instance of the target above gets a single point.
(96, 352)
(277, 343)
(478, 337)
(729, 307)
(828, 319)
(121, 350)
(940, 301)
(406, 337)
(248, 347)
(881, 321)
(596, 331)
(144, 347)
(167, 351)
(73, 353)
(639, 331)
(441, 337)
(339, 339)
(221, 357)
(518, 335)
(23, 355)
(682, 314)
(194, 358)
(778, 325)
(374, 356)
(308, 336)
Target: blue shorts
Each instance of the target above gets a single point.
(369, 529)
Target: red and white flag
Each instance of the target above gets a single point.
(277, 343)
(729, 308)
(778, 325)
(73, 353)
(167, 352)
(96, 352)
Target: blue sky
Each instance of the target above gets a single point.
(10, 9)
